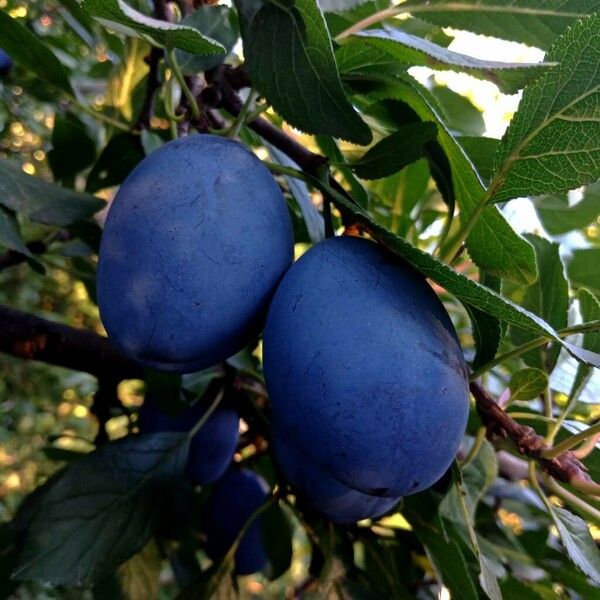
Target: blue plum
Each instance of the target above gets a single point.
(322, 491)
(236, 496)
(211, 449)
(195, 243)
(6, 63)
(364, 371)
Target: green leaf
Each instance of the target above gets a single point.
(578, 542)
(413, 50)
(396, 151)
(460, 114)
(41, 201)
(355, 55)
(290, 58)
(553, 142)
(217, 22)
(487, 330)
(548, 297)
(339, 5)
(466, 290)
(492, 244)
(481, 151)
(589, 307)
(73, 149)
(583, 270)
(118, 15)
(102, 510)
(532, 22)
(527, 384)
(10, 237)
(558, 217)
(27, 49)
(118, 158)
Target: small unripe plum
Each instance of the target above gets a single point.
(6, 63)
(194, 245)
(211, 448)
(322, 491)
(364, 371)
(235, 498)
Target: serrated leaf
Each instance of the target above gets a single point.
(41, 201)
(395, 151)
(527, 384)
(289, 55)
(589, 307)
(118, 15)
(102, 510)
(481, 151)
(553, 142)
(466, 290)
(578, 542)
(532, 22)
(583, 271)
(413, 50)
(558, 217)
(548, 297)
(492, 243)
(26, 48)
(312, 218)
(217, 22)
(355, 55)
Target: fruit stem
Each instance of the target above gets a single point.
(211, 409)
(243, 115)
(570, 442)
(101, 117)
(475, 447)
(172, 60)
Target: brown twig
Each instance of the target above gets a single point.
(565, 467)
(31, 337)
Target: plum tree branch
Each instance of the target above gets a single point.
(565, 467)
(31, 337)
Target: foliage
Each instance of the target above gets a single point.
(359, 142)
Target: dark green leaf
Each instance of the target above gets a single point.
(277, 539)
(532, 22)
(41, 201)
(26, 48)
(102, 510)
(216, 22)
(117, 15)
(553, 142)
(119, 157)
(73, 149)
(413, 50)
(558, 217)
(290, 58)
(394, 152)
(10, 237)
(527, 384)
(548, 297)
(583, 270)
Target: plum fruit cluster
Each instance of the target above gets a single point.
(366, 378)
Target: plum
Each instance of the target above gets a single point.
(194, 245)
(235, 498)
(366, 378)
(211, 449)
(6, 63)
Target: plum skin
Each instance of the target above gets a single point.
(364, 372)
(194, 245)
(211, 448)
(6, 63)
(235, 498)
